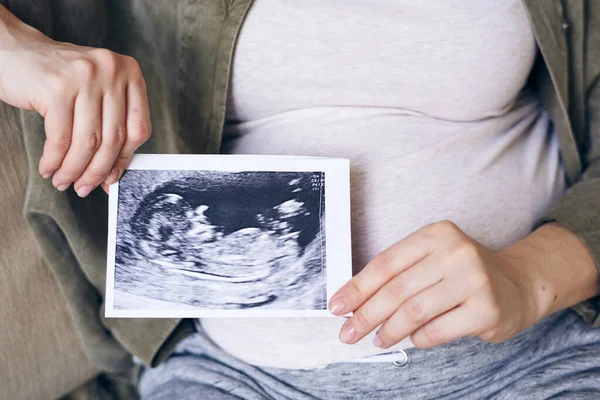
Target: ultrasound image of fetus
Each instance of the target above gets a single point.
(220, 240)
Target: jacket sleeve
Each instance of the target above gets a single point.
(578, 209)
(71, 232)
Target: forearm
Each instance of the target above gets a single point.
(5, 36)
(8, 24)
(23, 49)
(7, 20)
(12, 27)
(4, 18)
(560, 269)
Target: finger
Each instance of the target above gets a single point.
(392, 295)
(113, 137)
(138, 128)
(378, 272)
(87, 136)
(420, 309)
(454, 324)
(58, 123)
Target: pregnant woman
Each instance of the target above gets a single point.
(475, 208)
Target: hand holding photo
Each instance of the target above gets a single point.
(225, 236)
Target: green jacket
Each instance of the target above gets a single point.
(185, 49)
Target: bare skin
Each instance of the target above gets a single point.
(435, 285)
(93, 102)
(438, 284)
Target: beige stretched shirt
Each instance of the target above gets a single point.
(431, 112)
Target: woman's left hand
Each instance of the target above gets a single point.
(438, 284)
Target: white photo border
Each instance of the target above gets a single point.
(338, 264)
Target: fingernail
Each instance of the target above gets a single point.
(47, 175)
(337, 306)
(347, 333)
(377, 340)
(84, 190)
(63, 187)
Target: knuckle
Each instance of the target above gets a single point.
(60, 142)
(91, 142)
(420, 340)
(385, 335)
(382, 264)
(415, 312)
(141, 133)
(105, 56)
(443, 228)
(116, 138)
(84, 67)
(121, 161)
(361, 321)
(446, 225)
(397, 288)
(65, 174)
(135, 70)
(355, 292)
(131, 62)
(107, 60)
(465, 250)
(433, 333)
(95, 175)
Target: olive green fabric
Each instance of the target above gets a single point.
(185, 50)
(568, 34)
(40, 352)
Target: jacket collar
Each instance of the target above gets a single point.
(551, 28)
(545, 16)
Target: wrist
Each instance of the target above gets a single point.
(537, 292)
(556, 268)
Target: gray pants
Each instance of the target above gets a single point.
(558, 358)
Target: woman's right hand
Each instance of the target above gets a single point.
(93, 101)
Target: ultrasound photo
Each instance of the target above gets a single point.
(220, 240)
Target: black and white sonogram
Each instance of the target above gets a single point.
(220, 240)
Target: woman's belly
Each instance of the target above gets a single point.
(492, 177)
